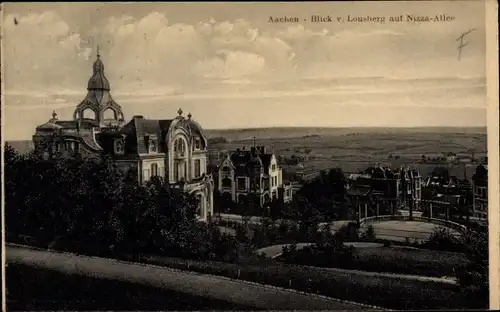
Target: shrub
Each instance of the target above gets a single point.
(369, 234)
(349, 232)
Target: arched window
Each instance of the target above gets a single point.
(88, 113)
(109, 113)
(180, 147)
(226, 170)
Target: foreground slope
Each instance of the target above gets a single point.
(217, 288)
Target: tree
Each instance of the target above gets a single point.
(474, 279)
(92, 207)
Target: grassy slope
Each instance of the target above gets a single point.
(385, 291)
(38, 288)
(194, 285)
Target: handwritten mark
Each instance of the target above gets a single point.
(15, 21)
(461, 40)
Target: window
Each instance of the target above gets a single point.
(241, 184)
(180, 147)
(146, 175)
(273, 167)
(226, 182)
(197, 168)
(176, 172)
(153, 146)
(226, 170)
(154, 170)
(119, 147)
(197, 143)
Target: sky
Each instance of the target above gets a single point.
(231, 67)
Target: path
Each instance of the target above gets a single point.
(216, 287)
(400, 230)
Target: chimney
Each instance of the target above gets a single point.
(263, 150)
(238, 149)
(138, 117)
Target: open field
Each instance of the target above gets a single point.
(348, 143)
(352, 149)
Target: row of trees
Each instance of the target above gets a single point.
(91, 206)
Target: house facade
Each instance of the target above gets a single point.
(252, 173)
(385, 190)
(174, 150)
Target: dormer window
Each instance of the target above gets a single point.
(119, 147)
(153, 146)
(197, 143)
(151, 143)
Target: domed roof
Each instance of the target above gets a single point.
(98, 81)
(51, 124)
(191, 126)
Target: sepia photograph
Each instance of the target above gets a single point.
(247, 156)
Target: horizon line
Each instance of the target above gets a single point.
(348, 127)
(323, 127)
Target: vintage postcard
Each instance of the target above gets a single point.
(250, 156)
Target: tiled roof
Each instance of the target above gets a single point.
(243, 160)
(136, 130)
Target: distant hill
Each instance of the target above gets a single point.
(294, 132)
(24, 146)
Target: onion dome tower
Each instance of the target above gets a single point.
(98, 105)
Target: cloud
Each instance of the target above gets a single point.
(40, 48)
(150, 53)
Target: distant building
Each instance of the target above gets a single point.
(214, 159)
(448, 193)
(383, 187)
(252, 173)
(174, 150)
(480, 192)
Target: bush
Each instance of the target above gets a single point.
(444, 240)
(369, 234)
(349, 232)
